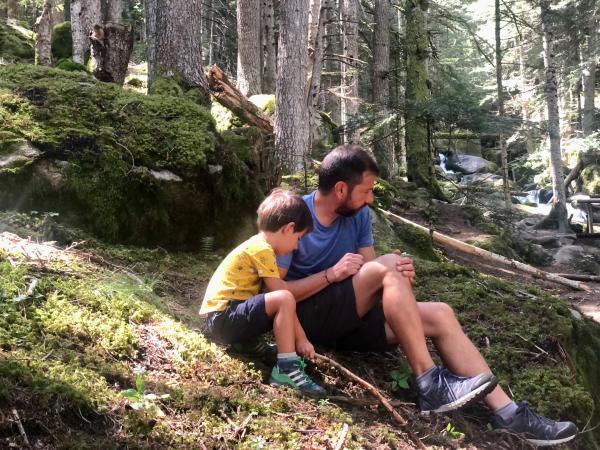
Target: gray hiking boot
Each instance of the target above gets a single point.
(447, 392)
(538, 430)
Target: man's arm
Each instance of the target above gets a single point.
(347, 266)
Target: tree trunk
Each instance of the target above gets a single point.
(588, 71)
(525, 97)
(384, 143)
(315, 66)
(269, 47)
(249, 47)
(330, 100)
(350, 99)
(111, 48)
(400, 92)
(114, 11)
(291, 113)
(173, 29)
(43, 29)
(84, 15)
(418, 153)
(500, 93)
(12, 9)
(558, 214)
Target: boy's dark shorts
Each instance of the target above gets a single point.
(329, 318)
(241, 321)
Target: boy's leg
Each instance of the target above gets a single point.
(281, 307)
(289, 371)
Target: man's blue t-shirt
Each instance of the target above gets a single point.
(324, 246)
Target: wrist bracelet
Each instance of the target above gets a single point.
(327, 279)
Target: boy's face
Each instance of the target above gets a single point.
(289, 240)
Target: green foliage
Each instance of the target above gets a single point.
(140, 400)
(62, 41)
(453, 433)
(70, 66)
(139, 52)
(401, 377)
(135, 82)
(14, 46)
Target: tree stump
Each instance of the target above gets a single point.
(112, 44)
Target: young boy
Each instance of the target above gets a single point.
(237, 311)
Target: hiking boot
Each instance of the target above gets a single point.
(292, 374)
(447, 392)
(258, 347)
(536, 429)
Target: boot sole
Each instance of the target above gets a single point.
(538, 442)
(308, 394)
(472, 396)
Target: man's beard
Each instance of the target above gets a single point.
(345, 211)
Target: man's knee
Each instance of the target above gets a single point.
(441, 314)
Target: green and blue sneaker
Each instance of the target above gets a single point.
(291, 373)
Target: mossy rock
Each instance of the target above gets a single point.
(62, 41)
(590, 177)
(70, 66)
(116, 144)
(14, 47)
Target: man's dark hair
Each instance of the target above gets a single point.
(345, 163)
(282, 207)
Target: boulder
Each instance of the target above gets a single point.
(18, 154)
(488, 179)
(469, 164)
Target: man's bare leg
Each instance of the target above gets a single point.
(399, 305)
(408, 322)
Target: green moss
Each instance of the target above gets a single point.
(241, 141)
(135, 82)
(590, 177)
(62, 42)
(14, 47)
(166, 86)
(70, 66)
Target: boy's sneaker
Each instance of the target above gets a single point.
(447, 392)
(538, 430)
(292, 374)
(258, 347)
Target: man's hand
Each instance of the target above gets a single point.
(305, 348)
(346, 267)
(405, 266)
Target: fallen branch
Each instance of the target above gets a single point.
(472, 250)
(580, 277)
(20, 427)
(341, 437)
(227, 95)
(374, 391)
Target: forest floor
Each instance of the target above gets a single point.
(452, 221)
(79, 323)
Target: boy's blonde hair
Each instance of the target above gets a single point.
(282, 207)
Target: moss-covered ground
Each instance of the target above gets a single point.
(78, 329)
(15, 46)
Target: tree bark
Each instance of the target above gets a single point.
(350, 99)
(500, 94)
(384, 143)
(173, 29)
(558, 213)
(114, 11)
(525, 97)
(269, 47)
(112, 44)
(84, 15)
(330, 99)
(43, 29)
(419, 162)
(291, 112)
(315, 66)
(588, 69)
(249, 47)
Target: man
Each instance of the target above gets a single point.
(350, 299)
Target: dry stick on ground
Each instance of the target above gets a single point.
(580, 277)
(21, 428)
(472, 250)
(374, 391)
(341, 438)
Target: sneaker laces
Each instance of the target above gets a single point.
(299, 375)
